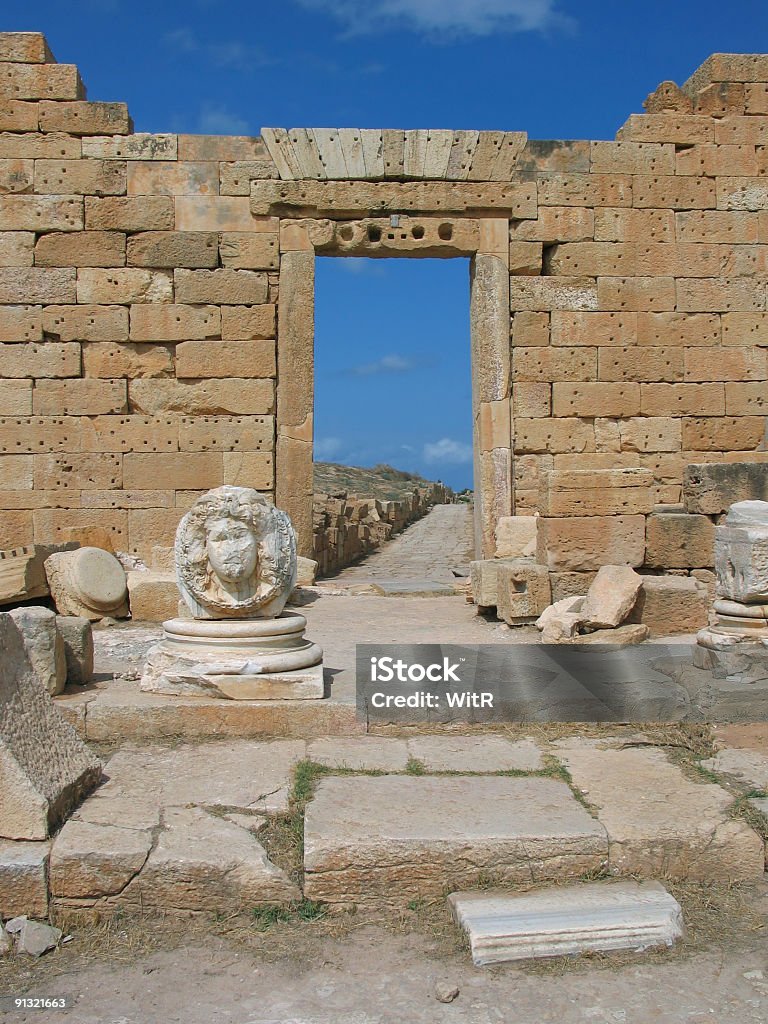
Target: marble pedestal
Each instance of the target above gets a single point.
(236, 659)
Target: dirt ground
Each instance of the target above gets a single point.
(336, 971)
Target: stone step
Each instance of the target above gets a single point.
(394, 838)
(590, 917)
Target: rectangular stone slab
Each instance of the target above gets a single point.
(395, 838)
(594, 916)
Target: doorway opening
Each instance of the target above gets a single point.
(393, 419)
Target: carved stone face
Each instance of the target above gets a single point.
(232, 549)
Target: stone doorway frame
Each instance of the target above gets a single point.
(485, 240)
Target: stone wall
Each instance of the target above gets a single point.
(345, 529)
(142, 361)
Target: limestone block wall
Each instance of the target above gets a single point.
(345, 529)
(156, 303)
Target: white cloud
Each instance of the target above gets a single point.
(231, 54)
(444, 17)
(326, 447)
(387, 364)
(447, 450)
(215, 119)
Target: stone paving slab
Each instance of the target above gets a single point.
(394, 838)
(486, 753)
(240, 774)
(748, 767)
(90, 860)
(570, 919)
(364, 753)
(660, 822)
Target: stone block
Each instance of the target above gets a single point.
(716, 226)
(650, 434)
(632, 157)
(397, 838)
(84, 118)
(40, 82)
(554, 364)
(556, 224)
(79, 397)
(235, 178)
(180, 471)
(222, 147)
(124, 285)
(23, 879)
(36, 284)
(531, 400)
(214, 213)
(226, 433)
(226, 359)
(720, 295)
(682, 399)
(174, 178)
(245, 323)
(80, 177)
(596, 399)
(25, 48)
(249, 251)
(136, 146)
(44, 768)
(91, 860)
(129, 213)
(523, 592)
(611, 597)
(639, 364)
(86, 323)
(590, 190)
(82, 525)
(746, 399)
(745, 329)
(153, 596)
(666, 329)
(18, 116)
(43, 645)
(51, 359)
(710, 489)
(171, 249)
(84, 249)
(660, 822)
(644, 226)
(596, 492)
(121, 359)
(236, 396)
(551, 293)
(570, 584)
(250, 469)
(16, 176)
(671, 604)
(17, 249)
(553, 434)
(484, 575)
(675, 192)
(679, 541)
(37, 146)
(576, 919)
(77, 636)
(516, 537)
(585, 543)
(360, 753)
(529, 329)
(20, 323)
(173, 322)
(231, 287)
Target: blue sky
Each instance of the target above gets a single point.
(557, 69)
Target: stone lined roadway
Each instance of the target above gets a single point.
(422, 557)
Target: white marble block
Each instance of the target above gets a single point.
(567, 919)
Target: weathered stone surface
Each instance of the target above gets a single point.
(659, 822)
(89, 859)
(679, 541)
(570, 584)
(748, 767)
(484, 579)
(523, 592)
(44, 768)
(36, 938)
(153, 596)
(710, 488)
(516, 537)
(77, 635)
(741, 553)
(397, 838)
(22, 575)
(203, 862)
(589, 917)
(88, 582)
(475, 754)
(44, 646)
(561, 620)
(590, 541)
(23, 879)
(671, 604)
(248, 775)
(610, 639)
(364, 753)
(611, 596)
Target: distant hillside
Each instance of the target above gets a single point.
(383, 482)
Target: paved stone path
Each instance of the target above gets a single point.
(422, 557)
